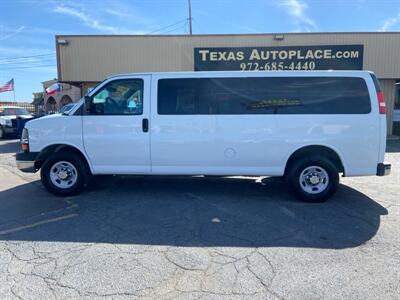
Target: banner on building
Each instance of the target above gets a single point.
(296, 58)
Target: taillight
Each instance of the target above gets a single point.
(25, 140)
(381, 102)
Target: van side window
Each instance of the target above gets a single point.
(264, 95)
(119, 97)
(177, 96)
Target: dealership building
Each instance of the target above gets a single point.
(85, 60)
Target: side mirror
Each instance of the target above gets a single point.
(88, 103)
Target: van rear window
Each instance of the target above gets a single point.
(263, 95)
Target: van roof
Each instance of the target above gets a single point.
(285, 72)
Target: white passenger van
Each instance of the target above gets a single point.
(307, 126)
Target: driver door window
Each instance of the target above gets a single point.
(119, 97)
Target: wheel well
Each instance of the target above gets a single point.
(57, 148)
(316, 150)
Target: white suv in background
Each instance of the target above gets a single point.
(309, 126)
(8, 119)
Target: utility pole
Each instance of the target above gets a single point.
(190, 16)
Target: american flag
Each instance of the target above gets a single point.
(8, 86)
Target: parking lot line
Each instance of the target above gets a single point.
(52, 220)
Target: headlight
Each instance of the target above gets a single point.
(8, 122)
(25, 140)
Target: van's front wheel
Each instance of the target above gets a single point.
(64, 174)
(314, 179)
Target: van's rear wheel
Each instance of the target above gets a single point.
(314, 179)
(64, 174)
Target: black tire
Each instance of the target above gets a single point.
(297, 167)
(81, 170)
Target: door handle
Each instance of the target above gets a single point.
(145, 125)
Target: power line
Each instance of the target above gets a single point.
(32, 56)
(162, 28)
(26, 61)
(30, 67)
(184, 26)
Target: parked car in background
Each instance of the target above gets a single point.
(66, 108)
(309, 126)
(9, 116)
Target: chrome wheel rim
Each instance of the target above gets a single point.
(63, 174)
(314, 180)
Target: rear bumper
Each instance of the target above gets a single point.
(383, 169)
(10, 130)
(26, 161)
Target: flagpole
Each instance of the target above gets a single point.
(13, 87)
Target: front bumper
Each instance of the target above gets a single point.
(26, 161)
(383, 169)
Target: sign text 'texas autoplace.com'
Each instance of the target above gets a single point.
(336, 57)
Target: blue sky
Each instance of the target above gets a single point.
(27, 27)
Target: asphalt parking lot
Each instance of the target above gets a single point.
(198, 238)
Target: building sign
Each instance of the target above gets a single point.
(336, 57)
